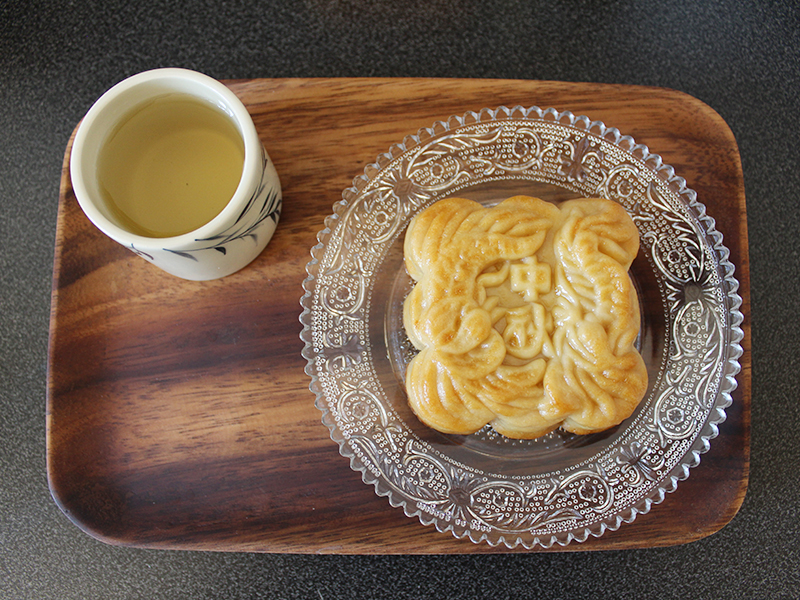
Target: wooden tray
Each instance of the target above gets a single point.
(178, 413)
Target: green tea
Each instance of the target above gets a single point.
(171, 166)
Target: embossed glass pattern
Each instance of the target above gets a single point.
(484, 487)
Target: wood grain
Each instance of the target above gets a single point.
(178, 412)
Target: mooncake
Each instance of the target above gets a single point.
(524, 316)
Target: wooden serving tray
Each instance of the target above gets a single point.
(178, 412)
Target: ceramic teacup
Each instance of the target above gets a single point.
(228, 241)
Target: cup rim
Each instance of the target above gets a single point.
(235, 109)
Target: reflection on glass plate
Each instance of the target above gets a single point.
(485, 487)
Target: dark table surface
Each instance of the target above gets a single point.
(742, 59)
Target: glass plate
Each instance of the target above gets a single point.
(485, 487)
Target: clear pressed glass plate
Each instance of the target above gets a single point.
(485, 487)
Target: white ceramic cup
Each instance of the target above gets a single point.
(222, 246)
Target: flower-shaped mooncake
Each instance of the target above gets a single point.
(524, 316)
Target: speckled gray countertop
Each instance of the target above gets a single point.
(742, 59)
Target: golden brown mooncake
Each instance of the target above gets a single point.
(524, 316)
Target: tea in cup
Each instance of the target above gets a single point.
(169, 164)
